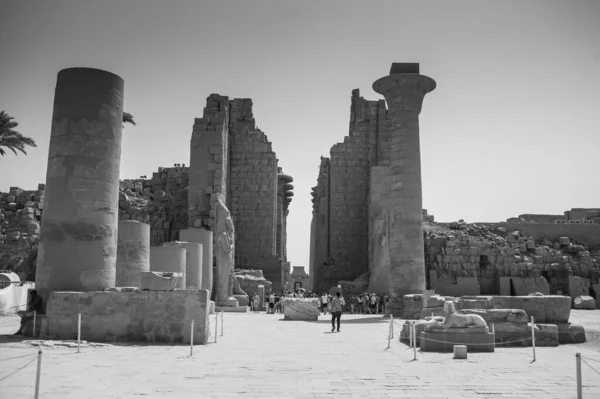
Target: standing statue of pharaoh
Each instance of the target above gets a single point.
(225, 256)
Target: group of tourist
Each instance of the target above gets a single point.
(274, 301)
(357, 304)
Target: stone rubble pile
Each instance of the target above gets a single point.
(20, 216)
(160, 201)
(486, 253)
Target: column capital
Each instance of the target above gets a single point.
(404, 91)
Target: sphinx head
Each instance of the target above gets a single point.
(449, 307)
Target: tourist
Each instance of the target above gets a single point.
(33, 305)
(255, 302)
(366, 304)
(336, 310)
(278, 303)
(374, 301)
(352, 301)
(324, 301)
(271, 309)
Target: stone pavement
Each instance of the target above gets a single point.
(262, 356)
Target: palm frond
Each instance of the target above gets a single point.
(128, 118)
(10, 138)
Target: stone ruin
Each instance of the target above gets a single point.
(369, 232)
(509, 317)
(259, 194)
(368, 213)
(94, 253)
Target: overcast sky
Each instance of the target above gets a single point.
(513, 126)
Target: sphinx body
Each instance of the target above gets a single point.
(456, 320)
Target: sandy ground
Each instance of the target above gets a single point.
(263, 356)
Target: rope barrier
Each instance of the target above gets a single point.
(19, 369)
(471, 344)
(16, 357)
(593, 360)
(593, 369)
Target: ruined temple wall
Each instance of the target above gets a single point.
(253, 194)
(345, 255)
(349, 182)
(319, 236)
(209, 158)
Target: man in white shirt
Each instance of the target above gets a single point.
(324, 300)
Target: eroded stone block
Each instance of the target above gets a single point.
(584, 302)
(306, 309)
(160, 281)
(142, 316)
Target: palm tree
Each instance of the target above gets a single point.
(10, 138)
(128, 118)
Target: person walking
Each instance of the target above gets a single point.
(255, 303)
(33, 306)
(336, 310)
(324, 300)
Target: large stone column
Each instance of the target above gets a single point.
(204, 237)
(193, 263)
(78, 238)
(404, 90)
(133, 253)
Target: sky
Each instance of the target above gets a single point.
(512, 127)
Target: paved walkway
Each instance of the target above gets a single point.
(262, 356)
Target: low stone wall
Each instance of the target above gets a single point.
(137, 316)
(544, 309)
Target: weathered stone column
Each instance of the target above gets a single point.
(204, 237)
(193, 263)
(133, 253)
(404, 90)
(78, 238)
(169, 259)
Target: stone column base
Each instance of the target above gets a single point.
(231, 302)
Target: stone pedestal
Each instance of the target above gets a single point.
(133, 253)
(78, 237)
(141, 316)
(404, 90)
(193, 263)
(169, 259)
(445, 341)
(205, 238)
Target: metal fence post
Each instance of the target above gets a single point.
(37, 377)
(579, 386)
(533, 337)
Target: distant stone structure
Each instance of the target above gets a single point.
(232, 158)
(299, 279)
(573, 216)
(368, 212)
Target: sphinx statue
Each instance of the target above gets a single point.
(454, 320)
(225, 256)
(357, 286)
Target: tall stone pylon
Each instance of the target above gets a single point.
(404, 89)
(78, 238)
